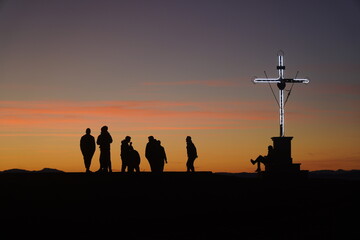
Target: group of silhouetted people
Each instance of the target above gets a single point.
(155, 154)
(87, 146)
(130, 158)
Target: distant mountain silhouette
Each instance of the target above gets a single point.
(338, 174)
(50, 170)
(335, 174)
(15, 170)
(242, 174)
(44, 170)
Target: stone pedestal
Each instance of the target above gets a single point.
(282, 160)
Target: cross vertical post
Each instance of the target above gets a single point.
(282, 117)
(281, 87)
(281, 84)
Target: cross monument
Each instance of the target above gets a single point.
(281, 163)
(281, 84)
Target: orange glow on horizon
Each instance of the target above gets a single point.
(39, 134)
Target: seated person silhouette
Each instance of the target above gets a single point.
(263, 159)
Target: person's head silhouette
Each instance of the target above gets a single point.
(151, 138)
(127, 138)
(88, 131)
(104, 129)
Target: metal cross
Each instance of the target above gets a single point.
(281, 84)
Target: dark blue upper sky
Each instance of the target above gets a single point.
(124, 43)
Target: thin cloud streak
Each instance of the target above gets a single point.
(68, 117)
(18, 117)
(39, 135)
(207, 83)
(336, 89)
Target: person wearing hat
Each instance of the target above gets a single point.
(192, 154)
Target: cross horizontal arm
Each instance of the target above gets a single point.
(267, 80)
(296, 80)
(279, 80)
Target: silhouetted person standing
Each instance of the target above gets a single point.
(192, 154)
(125, 153)
(134, 160)
(104, 140)
(150, 153)
(87, 146)
(161, 157)
(263, 159)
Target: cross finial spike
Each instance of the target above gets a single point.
(281, 66)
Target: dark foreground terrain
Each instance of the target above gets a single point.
(177, 206)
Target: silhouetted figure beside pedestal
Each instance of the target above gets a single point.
(263, 159)
(191, 153)
(282, 156)
(280, 162)
(104, 140)
(87, 146)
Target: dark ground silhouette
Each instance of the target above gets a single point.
(177, 205)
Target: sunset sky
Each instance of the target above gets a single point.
(176, 68)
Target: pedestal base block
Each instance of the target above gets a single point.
(282, 163)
